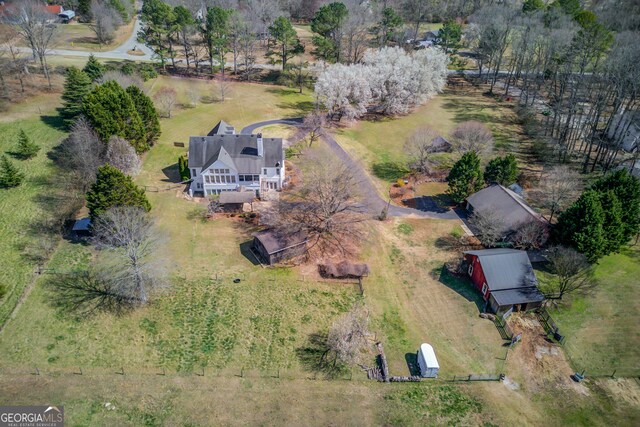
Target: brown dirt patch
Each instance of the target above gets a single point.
(541, 362)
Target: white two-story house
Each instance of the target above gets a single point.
(226, 161)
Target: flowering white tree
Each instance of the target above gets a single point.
(389, 81)
(344, 90)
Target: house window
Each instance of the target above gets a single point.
(470, 269)
(193, 173)
(256, 177)
(264, 171)
(199, 185)
(233, 179)
(226, 171)
(241, 178)
(278, 171)
(484, 288)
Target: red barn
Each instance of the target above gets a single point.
(505, 278)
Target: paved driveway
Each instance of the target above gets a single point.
(425, 207)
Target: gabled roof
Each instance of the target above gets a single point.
(275, 242)
(222, 128)
(505, 268)
(511, 208)
(439, 145)
(236, 151)
(54, 8)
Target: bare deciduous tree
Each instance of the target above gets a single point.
(573, 271)
(472, 136)
(223, 86)
(122, 155)
(36, 26)
(311, 128)
(82, 153)
(124, 80)
(193, 93)
(248, 52)
(105, 21)
(559, 188)
(347, 338)
(419, 146)
(128, 233)
(488, 226)
(166, 99)
(324, 208)
(531, 235)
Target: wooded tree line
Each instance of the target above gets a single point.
(567, 65)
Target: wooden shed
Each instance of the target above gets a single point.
(273, 247)
(234, 201)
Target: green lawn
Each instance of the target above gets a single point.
(602, 328)
(25, 208)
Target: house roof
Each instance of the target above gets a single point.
(439, 145)
(511, 208)
(274, 242)
(222, 128)
(505, 268)
(54, 8)
(82, 224)
(237, 151)
(236, 197)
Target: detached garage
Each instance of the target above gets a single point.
(427, 361)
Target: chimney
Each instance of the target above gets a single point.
(260, 146)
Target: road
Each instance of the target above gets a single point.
(426, 206)
(119, 52)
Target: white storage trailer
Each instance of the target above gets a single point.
(428, 363)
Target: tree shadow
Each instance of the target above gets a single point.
(461, 286)
(412, 363)
(315, 357)
(55, 122)
(389, 171)
(300, 108)
(428, 204)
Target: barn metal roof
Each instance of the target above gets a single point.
(505, 268)
(511, 208)
(517, 296)
(274, 242)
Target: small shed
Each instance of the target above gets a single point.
(233, 201)
(274, 247)
(428, 362)
(66, 15)
(439, 144)
(82, 227)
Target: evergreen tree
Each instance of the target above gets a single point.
(533, 5)
(26, 148)
(613, 227)
(389, 22)
(148, 114)
(84, 10)
(327, 23)
(77, 85)
(114, 188)
(582, 226)
(93, 68)
(111, 111)
(10, 176)
(286, 40)
(465, 178)
(627, 189)
(503, 170)
(183, 168)
(449, 37)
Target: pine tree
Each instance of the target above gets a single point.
(93, 68)
(503, 170)
(114, 188)
(111, 111)
(465, 178)
(148, 114)
(84, 10)
(582, 226)
(183, 168)
(26, 148)
(613, 227)
(77, 85)
(10, 176)
(627, 189)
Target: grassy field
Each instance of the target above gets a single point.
(253, 340)
(379, 144)
(602, 328)
(25, 207)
